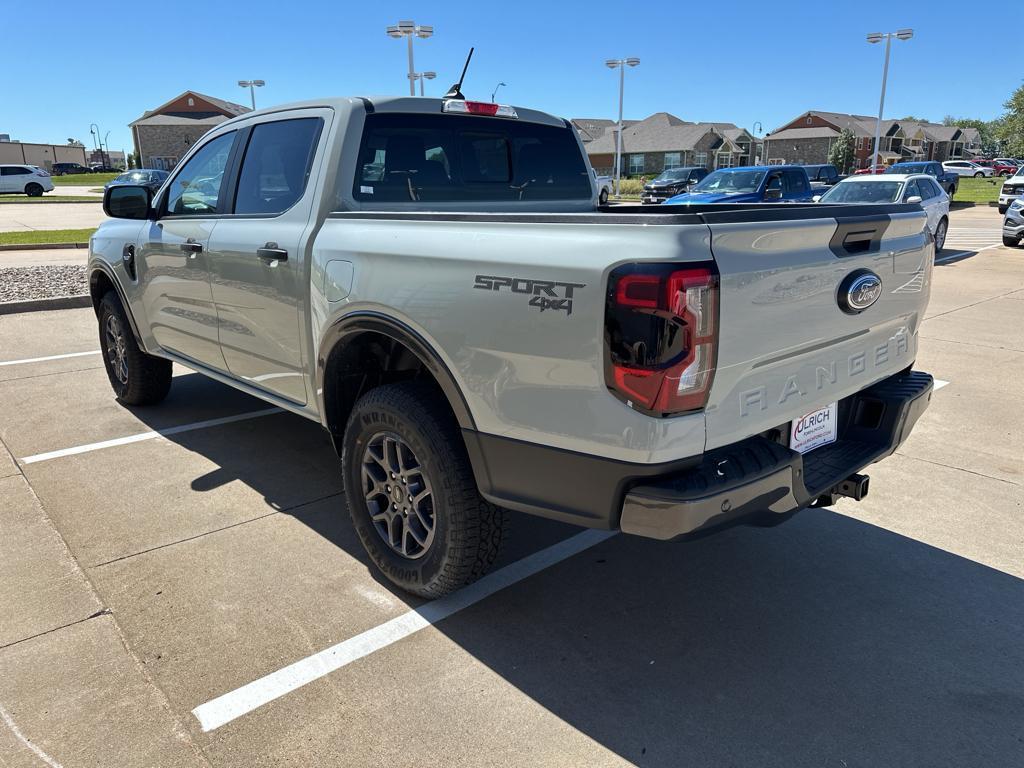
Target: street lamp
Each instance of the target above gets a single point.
(409, 30)
(877, 37)
(621, 65)
(421, 76)
(495, 91)
(252, 85)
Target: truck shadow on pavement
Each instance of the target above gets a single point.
(824, 642)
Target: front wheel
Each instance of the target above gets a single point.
(602, 198)
(940, 234)
(136, 378)
(411, 492)
(1002, 209)
(1010, 242)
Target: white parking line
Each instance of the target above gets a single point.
(961, 251)
(230, 706)
(48, 357)
(147, 436)
(939, 384)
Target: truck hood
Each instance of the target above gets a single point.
(693, 198)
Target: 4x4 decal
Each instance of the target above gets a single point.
(544, 294)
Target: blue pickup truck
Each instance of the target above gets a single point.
(947, 180)
(750, 184)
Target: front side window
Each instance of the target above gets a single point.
(276, 165)
(451, 158)
(196, 190)
(15, 171)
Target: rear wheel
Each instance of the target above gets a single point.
(34, 190)
(940, 234)
(978, 175)
(136, 378)
(603, 197)
(411, 492)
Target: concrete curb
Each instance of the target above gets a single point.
(41, 246)
(41, 305)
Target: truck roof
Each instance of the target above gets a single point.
(416, 104)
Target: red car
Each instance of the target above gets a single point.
(875, 169)
(999, 168)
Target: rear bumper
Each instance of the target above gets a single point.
(759, 478)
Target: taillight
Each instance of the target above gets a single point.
(661, 336)
(478, 108)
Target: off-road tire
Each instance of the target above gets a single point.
(143, 379)
(1010, 242)
(34, 190)
(468, 531)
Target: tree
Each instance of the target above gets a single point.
(841, 155)
(1009, 129)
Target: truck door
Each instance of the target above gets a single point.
(173, 260)
(259, 276)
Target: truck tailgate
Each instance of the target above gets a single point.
(786, 346)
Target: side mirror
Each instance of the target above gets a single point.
(913, 199)
(816, 199)
(773, 193)
(128, 201)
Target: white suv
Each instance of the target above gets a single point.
(966, 168)
(28, 180)
(1013, 189)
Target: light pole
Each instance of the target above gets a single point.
(621, 65)
(409, 30)
(252, 85)
(495, 91)
(421, 76)
(95, 131)
(877, 37)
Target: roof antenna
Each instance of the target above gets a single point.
(455, 92)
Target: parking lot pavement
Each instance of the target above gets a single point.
(24, 217)
(164, 562)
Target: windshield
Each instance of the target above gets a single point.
(674, 175)
(731, 181)
(863, 192)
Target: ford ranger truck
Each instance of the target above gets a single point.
(433, 282)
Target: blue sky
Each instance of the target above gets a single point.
(737, 62)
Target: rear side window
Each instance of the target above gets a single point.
(276, 165)
(461, 158)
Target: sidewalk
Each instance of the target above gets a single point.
(29, 258)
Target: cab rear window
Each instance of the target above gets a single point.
(448, 158)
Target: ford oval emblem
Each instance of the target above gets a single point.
(858, 291)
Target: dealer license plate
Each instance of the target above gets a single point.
(814, 429)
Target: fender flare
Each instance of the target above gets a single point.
(348, 327)
(102, 266)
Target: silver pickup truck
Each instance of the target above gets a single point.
(433, 281)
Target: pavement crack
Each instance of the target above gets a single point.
(103, 612)
(968, 306)
(283, 510)
(958, 469)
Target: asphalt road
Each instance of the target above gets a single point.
(144, 578)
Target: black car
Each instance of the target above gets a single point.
(66, 169)
(672, 182)
(100, 168)
(823, 175)
(147, 177)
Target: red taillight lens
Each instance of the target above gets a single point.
(661, 333)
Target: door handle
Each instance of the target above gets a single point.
(270, 252)
(191, 247)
